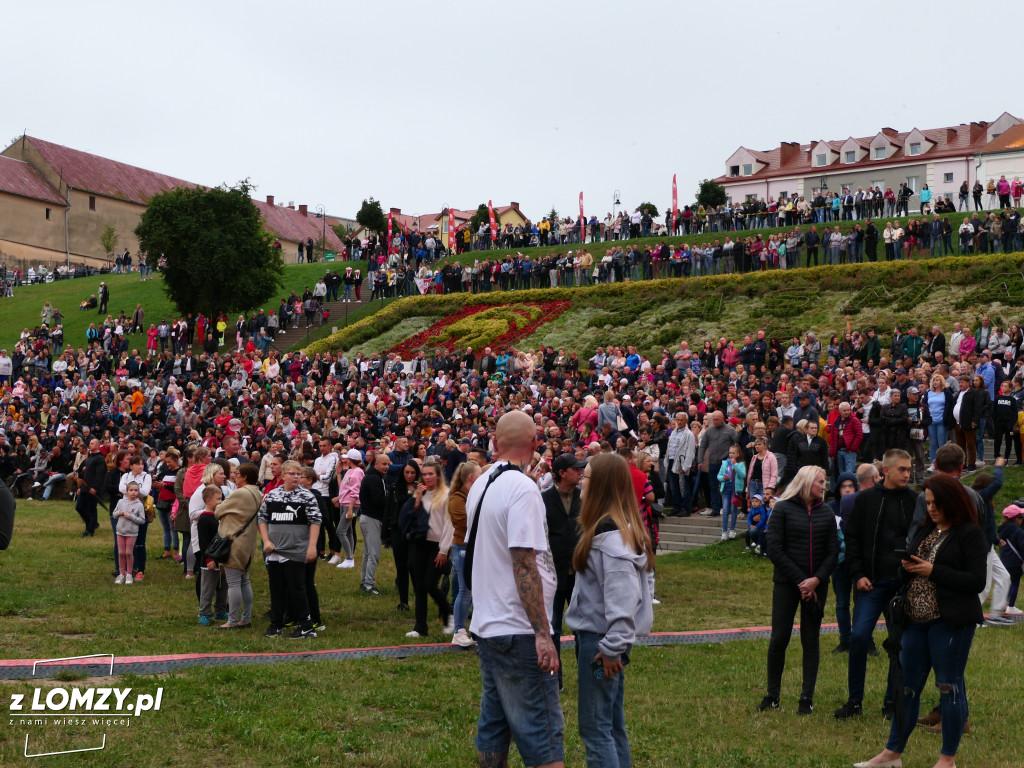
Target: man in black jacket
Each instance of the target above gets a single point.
(372, 508)
(562, 507)
(877, 527)
(94, 475)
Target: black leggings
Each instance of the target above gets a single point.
(425, 579)
(785, 602)
(400, 549)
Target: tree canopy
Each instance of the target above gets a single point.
(481, 216)
(710, 194)
(218, 255)
(649, 208)
(371, 216)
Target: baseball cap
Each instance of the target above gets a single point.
(353, 454)
(1012, 511)
(566, 461)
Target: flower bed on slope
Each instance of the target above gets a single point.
(481, 326)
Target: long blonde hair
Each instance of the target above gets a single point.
(800, 487)
(462, 474)
(610, 496)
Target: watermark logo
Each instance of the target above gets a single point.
(72, 710)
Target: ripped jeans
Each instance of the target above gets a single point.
(940, 646)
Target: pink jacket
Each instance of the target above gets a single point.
(769, 471)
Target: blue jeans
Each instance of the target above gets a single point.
(979, 439)
(50, 483)
(461, 597)
(519, 701)
(716, 489)
(937, 436)
(847, 461)
(868, 608)
(944, 648)
(602, 717)
(841, 585)
(677, 492)
(729, 512)
(170, 535)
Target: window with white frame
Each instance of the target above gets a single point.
(748, 169)
(819, 160)
(880, 183)
(879, 153)
(947, 178)
(851, 157)
(915, 148)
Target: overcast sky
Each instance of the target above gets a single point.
(426, 104)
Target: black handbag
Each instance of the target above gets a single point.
(219, 548)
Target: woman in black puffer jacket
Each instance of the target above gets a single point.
(804, 547)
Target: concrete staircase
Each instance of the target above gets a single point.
(285, 340)
(681, 534)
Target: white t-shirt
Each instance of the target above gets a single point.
(512, 516)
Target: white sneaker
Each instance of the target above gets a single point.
(449, 627)
(655, 601)
(119, 579)
(463, 640)
(128, 581)
(347, 564)
(725, 536)
(981, 462)
(334, 560)
(706, 512)
(414, 634)
(1013, 611)
(732, 535)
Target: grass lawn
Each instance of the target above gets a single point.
(686, 705)
(23, 311)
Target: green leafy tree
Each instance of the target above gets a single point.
(481, 216)
(371, 216)
(109, 238)
(218, 255)
(553, 214)
(341, 231)
(710, 194)
(650, 208)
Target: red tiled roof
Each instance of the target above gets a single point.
(954, 141)
(22, 179)
(1012, 139)
(288, 224)
(104, 176)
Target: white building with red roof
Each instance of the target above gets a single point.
(942, 158)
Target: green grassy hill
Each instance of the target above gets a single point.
(661, 313)
(23, 311)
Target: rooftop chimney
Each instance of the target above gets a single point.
(270, 199)
(303, 210)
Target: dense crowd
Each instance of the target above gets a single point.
(244, 449)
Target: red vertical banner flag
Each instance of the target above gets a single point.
(494, 225)
(675, 204)
(387, 245)
(451, 231)
(583, 222)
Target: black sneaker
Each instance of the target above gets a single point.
(272, 631)
(887, 710)
(806, 706)
(841, 648)
(402, 608)
(302, 634)
(768, 702)
(848, 710)
(371, 591)
(320, 627)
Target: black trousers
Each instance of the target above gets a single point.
(288, 593)
(1003, 432)
(330, 530)
(785, 602)
(312, 598)
(86, 508)
(563, 594)
(400, 549)
(425, 581)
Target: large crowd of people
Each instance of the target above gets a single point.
(241, 450)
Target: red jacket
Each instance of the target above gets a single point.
(852, 434)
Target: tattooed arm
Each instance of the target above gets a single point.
(531, 595)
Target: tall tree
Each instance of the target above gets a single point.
(649, 208)
(710, 194)
(371, 216)
(218, 255)
(109, 238)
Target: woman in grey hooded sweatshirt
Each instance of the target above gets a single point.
(610, 605)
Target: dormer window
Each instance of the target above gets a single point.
(748, 169)
(819, 160)
(734, 170)
(851, 157)
(879, 153)
(915, 149)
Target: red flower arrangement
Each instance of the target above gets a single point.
(523, 323)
